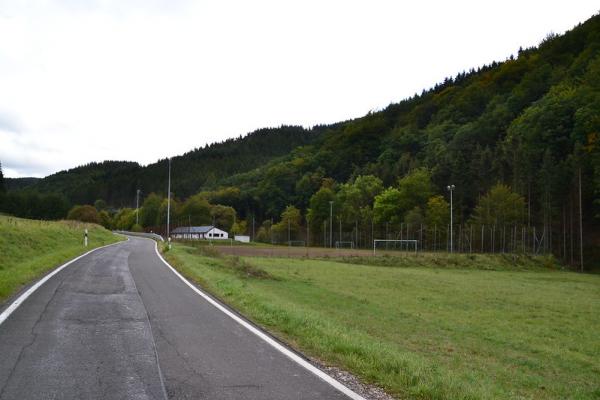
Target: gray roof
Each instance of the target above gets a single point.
(192, 229)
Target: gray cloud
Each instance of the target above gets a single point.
(15, 168)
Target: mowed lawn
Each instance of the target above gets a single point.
(30, 248)
(422, 332)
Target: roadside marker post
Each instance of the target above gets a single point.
(85, 238)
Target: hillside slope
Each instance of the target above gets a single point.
(29, 248)
(530, 122)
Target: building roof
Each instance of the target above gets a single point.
(192, 229)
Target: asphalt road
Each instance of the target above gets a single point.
(119, 324)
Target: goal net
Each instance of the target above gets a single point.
(344, 245)
(394, 245)
(297, 243)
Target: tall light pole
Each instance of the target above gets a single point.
(307, 232)
(169, 202)
(137, 207)
(451, 188)
(330, 224)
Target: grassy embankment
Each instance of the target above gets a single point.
(423, 332)
(29, 249)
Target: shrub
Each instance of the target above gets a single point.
(85, 213)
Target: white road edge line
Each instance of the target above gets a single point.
(278, 346)
(15, 304)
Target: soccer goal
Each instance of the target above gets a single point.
(392, 244)
(344, 245)
(296, 243)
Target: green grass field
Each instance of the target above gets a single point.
(29, 249)
(423, 332)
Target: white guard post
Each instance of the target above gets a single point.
(85, 238)
(169, 242)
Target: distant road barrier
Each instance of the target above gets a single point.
(142, 234)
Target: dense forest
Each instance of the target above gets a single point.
(116, 182)
(518, 139)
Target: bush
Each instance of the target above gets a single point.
(137, 228)
(105, 219)
(84, 213)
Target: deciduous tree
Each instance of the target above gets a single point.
(500, 206)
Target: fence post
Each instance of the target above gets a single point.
(471, 238)
(482, 229)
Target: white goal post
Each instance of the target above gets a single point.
(407, 241)
(298, 243)
(342, 244)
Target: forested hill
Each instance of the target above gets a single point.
(116, 181)
(531, 122)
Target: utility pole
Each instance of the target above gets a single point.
(330, 224)
(372, 230)
(253, 221)
(169, 204)
(451, 189)
(580, 225)
(137, 207)
(307, 232)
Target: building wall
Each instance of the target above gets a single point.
(213, 234)
(217, 234)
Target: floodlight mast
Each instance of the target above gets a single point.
(137, 207)
(169, 202)
(451, 189)
(330, 224)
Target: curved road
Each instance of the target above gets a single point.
(119, 324)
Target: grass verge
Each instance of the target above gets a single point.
(426, 333)
(30, 248)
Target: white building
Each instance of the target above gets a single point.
(199, 232)
(242, 238)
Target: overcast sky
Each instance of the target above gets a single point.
(93, 80)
